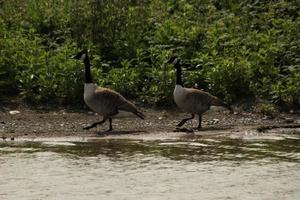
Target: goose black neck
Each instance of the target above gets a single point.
(88, 76)
(178, 76)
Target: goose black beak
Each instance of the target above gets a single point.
(171, 60)
(76, 57)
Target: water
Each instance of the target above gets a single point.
(197, 168)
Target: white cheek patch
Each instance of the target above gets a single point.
(83, 56)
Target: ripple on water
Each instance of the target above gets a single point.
(197, 144)
(118, 169)
(15, 149)
(59, 143)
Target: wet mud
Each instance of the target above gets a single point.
(68, 124)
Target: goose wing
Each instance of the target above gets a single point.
(113, 101)
(204, 98)
(195, 96)
(108, 97)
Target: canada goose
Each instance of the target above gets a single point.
(192, 100)
(103, 101)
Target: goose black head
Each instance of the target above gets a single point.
(174, 60)
(82, 55)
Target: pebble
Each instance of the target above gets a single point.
(266, 117)
(14, 112)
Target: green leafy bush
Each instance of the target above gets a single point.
(52, 76)
(40, 74)
(157, 80)
(287, 89)
(233, 49)
(124, 80)
(268, 109)
(7, 71)
(229, 79)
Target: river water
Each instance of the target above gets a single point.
(199, 168)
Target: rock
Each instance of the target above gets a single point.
(289, 120)
(14, 112)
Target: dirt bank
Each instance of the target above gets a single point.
(65, 123)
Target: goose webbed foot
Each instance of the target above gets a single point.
(108, 130)
(98, 123)
(87, 127)
(186, 130)
(184, 120)
(198, 128)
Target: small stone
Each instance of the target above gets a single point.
(160, 118)
(14, 112)
(266, 117)
(235, 113)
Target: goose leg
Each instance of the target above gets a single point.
(200, 120)
(95, 124)
(110, 125)
(185, 120)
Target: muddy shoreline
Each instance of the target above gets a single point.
(159, 124)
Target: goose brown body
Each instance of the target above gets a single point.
(195, 101)
(192, 100)
(107, 102)
(104, 101)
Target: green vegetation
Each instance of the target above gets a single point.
(233, 49)
(267, 109)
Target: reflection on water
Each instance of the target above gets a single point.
(197, 168)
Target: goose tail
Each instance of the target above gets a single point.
(130, 107)
(217, 102)
(140, 115)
